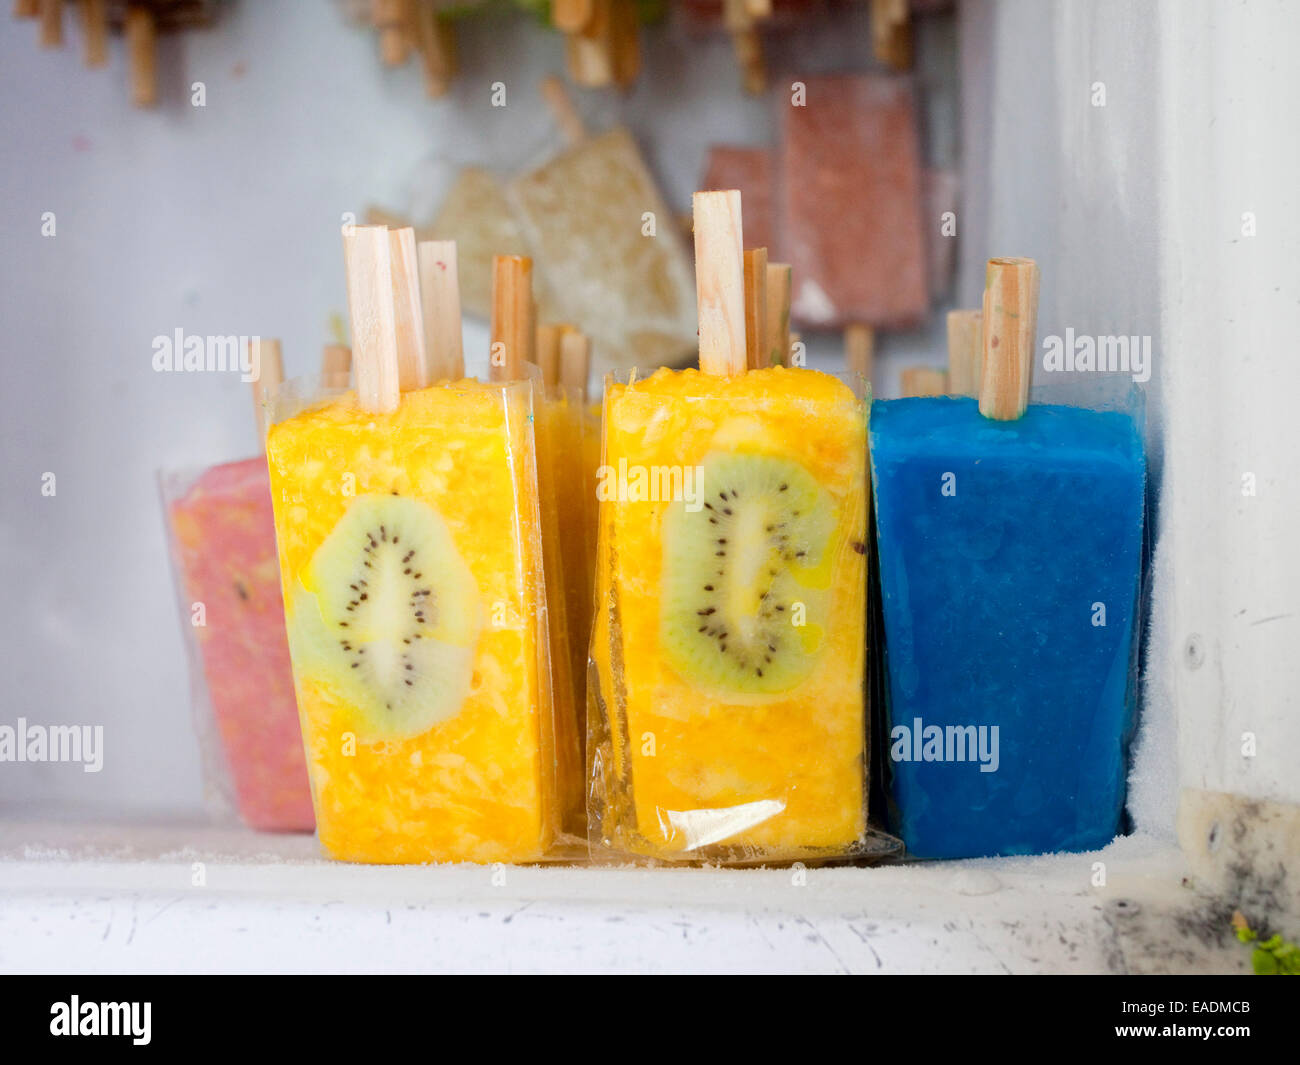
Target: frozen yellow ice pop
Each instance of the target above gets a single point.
(729, 637)
(410, 554)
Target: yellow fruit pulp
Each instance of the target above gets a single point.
(697, 774)
(480, 785)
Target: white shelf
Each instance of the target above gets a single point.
(115, 898)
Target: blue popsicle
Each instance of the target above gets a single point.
(993, 597)
(1009, 558)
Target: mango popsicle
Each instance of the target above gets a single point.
(729, 638)
(1010, 545)
(410, 555)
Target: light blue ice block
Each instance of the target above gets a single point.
(1010, 556)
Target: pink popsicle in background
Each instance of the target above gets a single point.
(224, 539)
(848, 195)
(223, 544)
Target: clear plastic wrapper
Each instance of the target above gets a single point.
(411, 559)
(727, 719)
(558, 429)
(1010, 559)
(222, 539)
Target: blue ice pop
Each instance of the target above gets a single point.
(1010, 554)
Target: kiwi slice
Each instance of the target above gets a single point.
(387, 615)
(746, 576)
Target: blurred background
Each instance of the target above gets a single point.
(1121, 144)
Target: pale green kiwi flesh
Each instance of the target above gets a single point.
(387, 615)
(746, 574)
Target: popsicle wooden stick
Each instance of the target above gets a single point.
(590, 52)
(141, 50)
(860, 349)
(778, 314)
(440, 298)
(435, 39)
(924, 381)
(27, 8)
(51, 23)
(94, 31)
(756, 344)
(335, 363)
(1010, 333)
(513, 335)
(566, 115)
(408, 318)
(380, 216)
(392, 18)
(367, 255)
(575, 362)
(746, 43)
(267, 365)
(571, 16)
(720, 282)
(549, 338)
(625, 42)
(891, 33)
(965, 352)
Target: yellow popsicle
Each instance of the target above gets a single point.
(742, 736)
(439, 745)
